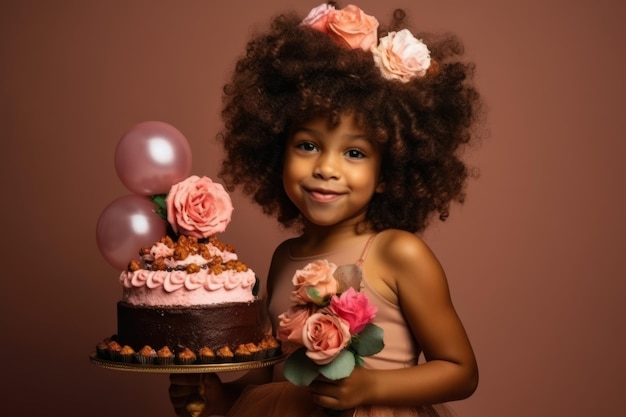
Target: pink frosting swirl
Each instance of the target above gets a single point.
(174, 281)
(155, 279)
(214, 282)
(194, 281)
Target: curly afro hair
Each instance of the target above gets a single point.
(291, 73)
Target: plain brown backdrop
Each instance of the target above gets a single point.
(534, 258)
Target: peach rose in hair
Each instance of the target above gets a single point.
(198, 207)
(318, 17)
(352, 27)
(401, 56)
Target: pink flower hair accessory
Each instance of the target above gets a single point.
(401, 56)
(349, 26)
(398, 55)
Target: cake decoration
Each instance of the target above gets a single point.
(187, 298)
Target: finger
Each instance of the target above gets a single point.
(322, 387)
(195, 406)
(210, 383)
(325, 401)
(189, 406)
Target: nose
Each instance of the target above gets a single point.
(326, 167)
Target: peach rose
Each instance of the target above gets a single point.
(354, 307)
(198, 207)
(318, 17)
(324, 336)
(401, 56)
(291, 322)
(353, 27)
(315, 283)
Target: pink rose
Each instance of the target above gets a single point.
(315, 283)
(354, 307)
(198, 207)
(318, 17)
(324, 336)
(401, 56)
(353, 28)
(291, 323)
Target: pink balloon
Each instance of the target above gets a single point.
(151, 157)
(126, 225)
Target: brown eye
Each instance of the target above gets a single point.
(355, 154)
(306, 146)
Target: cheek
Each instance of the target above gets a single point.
(365, 179)
(293, 172)
(290, 183)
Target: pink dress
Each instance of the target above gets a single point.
(282, 399)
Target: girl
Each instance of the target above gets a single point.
(351, 134)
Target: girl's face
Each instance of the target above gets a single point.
(331, 174)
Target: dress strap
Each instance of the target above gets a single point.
(366, 249)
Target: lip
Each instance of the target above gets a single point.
(323, 196)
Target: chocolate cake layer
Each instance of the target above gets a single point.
(214, 326)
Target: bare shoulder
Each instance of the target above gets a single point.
(403, 248)
(407, 262)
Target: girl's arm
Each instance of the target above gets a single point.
(404, 266)
(201, 395)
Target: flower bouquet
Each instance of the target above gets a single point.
(330, 323)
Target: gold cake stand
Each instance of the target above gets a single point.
(184, 369)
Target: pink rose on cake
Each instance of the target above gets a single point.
(330, 325)
(198, 207)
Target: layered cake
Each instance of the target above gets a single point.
(188, 295)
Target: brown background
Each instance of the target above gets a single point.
(534, 258)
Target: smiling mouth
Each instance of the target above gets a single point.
(324, 197)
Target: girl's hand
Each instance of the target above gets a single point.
(345, 393)
(196, 395)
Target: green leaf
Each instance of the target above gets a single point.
(369, 341)
(299, 369)
(359, 360)
(317, 298)
(159, 201)
(341, 367)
